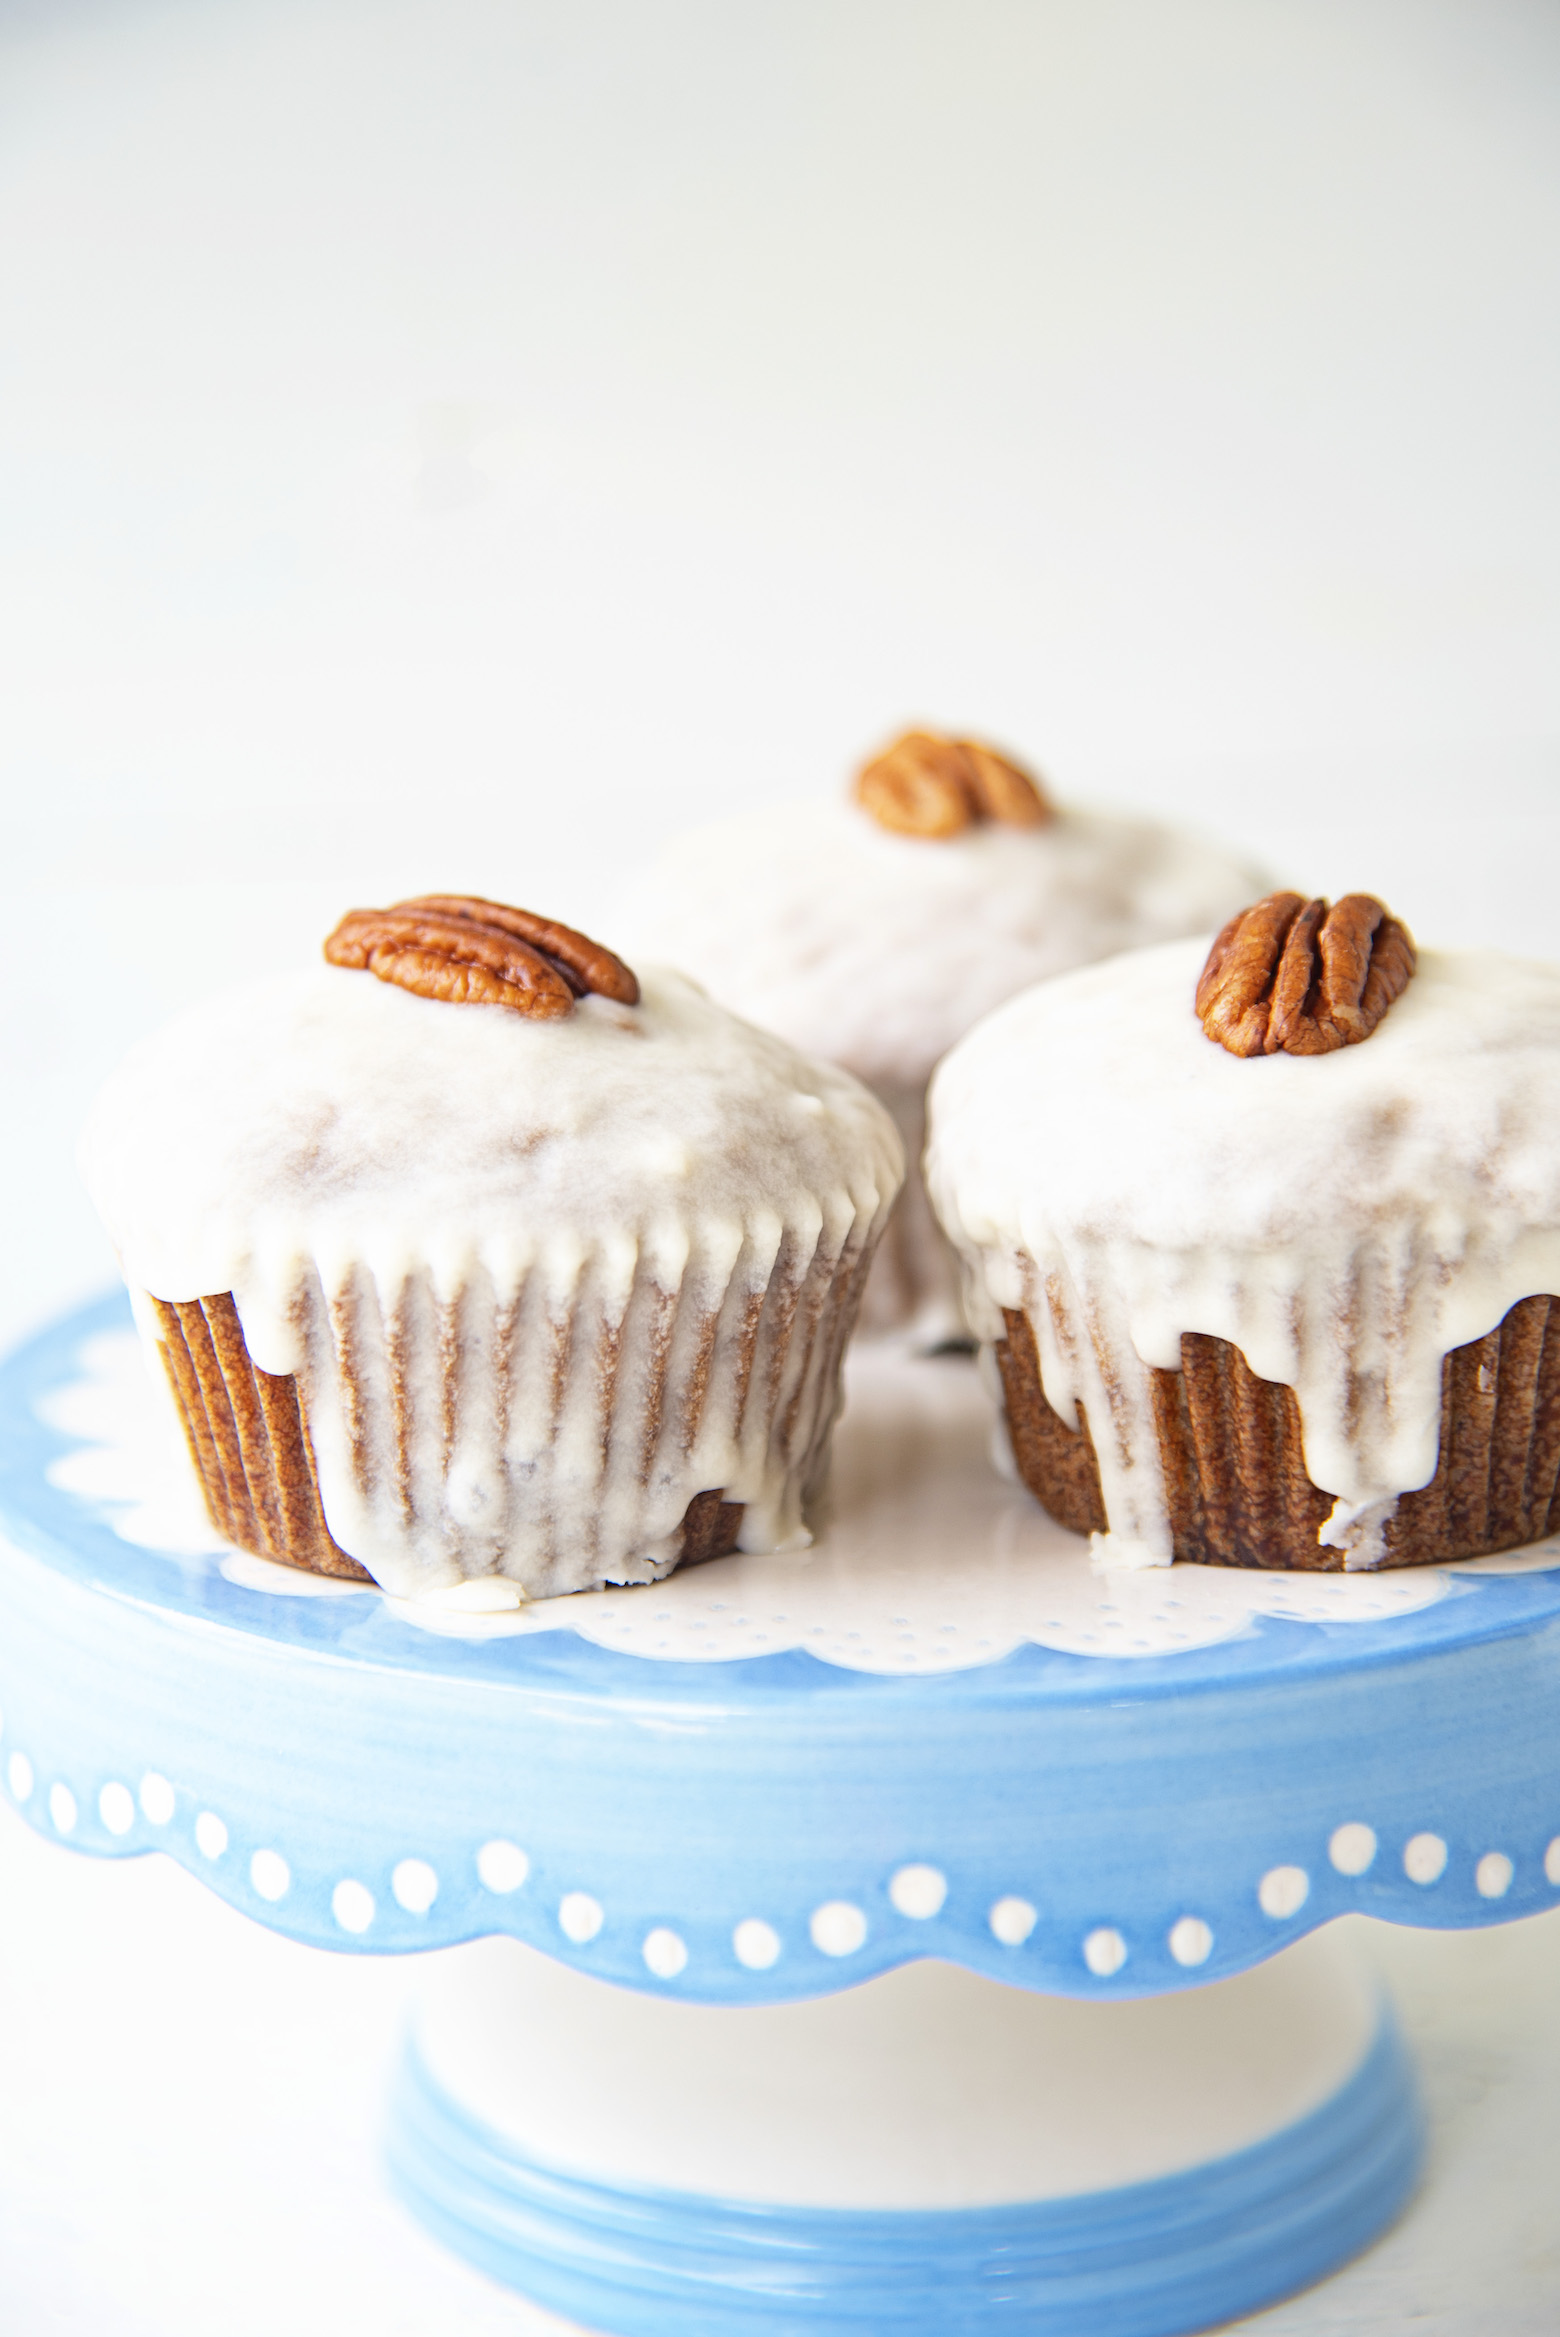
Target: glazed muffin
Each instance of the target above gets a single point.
(501, 1268)
(1266, 1240)
(875, 931)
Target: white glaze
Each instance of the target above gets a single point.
(878, 951)
(540, 1226)
(1345, 1220)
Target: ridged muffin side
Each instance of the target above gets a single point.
(1231, 1448)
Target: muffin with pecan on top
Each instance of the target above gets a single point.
(1266, 1240)
(501, 1274)
(875, 931)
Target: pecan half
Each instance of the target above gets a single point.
(470, 952)
(927, 785)
(1302, 977)
(584, 964)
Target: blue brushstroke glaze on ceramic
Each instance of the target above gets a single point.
(1181, 2253)
(1105, 1793)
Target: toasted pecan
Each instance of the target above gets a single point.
(1295, 975)
(928, 785)
(1002, 789)
(584, 964)
(469, 952)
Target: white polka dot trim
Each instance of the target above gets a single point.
(1352, 1848)
(352, 1904)
(919, 1892)
(1424, 1859)
(270, 1874)
(1492, 1876)
(838, 1928)
(1012, 1920)
(157, 1799)
(415, 1885)
(1104, 1951)
(502, 1867)
(1283, 1891)
(1552, 1861)
(579, 1917)
(665, 1954)
(756, 1944)
(116, 1807)
(1191, 1941)
(211, 1836)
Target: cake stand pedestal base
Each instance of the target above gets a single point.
(928, 2152)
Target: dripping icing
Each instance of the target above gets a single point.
(542, 1283)
(1344, 1220)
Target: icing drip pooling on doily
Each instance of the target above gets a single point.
(1345, 1220)
(542, 1282)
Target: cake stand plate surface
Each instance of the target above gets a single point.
(810, 1812)
(939, 1732)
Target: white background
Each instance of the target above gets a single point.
(448, 443)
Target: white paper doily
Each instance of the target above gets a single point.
(926, 1559)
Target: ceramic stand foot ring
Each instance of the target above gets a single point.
(930, 2152)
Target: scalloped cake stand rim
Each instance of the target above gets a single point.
(770, 1826)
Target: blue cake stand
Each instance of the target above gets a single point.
(1097, 1814)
